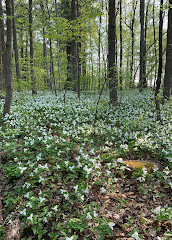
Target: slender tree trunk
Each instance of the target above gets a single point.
(1, 73)
(144, 58)
(99, 52)
(84, 70)
(154, 35)
(168, 65)
(51, 55)
(78, 50)
(69, 78)
(58, 49)
(111, 53)
(134, 5)
(142, 46)
(1, 53)
(46, 66)
(121, 57)
(52, 67)
(74, 47)
(7, 65)
(33, 82)
(2, 47)
(15, 46)
(158, 82)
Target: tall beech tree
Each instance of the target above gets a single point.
(6, 47)
(168, 65)
(112, 71)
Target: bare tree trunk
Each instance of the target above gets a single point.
(134, 5)
(111, 53)
(158, 82)
(1, 73)
(154, 35)
(142, 46)
(51, 55)
(7, 65)
(15, 46)
(46, 67)
(168, 65)
(74, 47)
(58, 49)
(145, 37)
(99, 52)
(2, 48)
(121, 57)
(33, 82)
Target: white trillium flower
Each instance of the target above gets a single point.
(120, 160)
(135, 235)
(157, 210)
(30, 217)
(22, 169)
(76, 188)
(95, 214)
(82, 197)
(69, 238)
(103, 190)
(88, 216)
(88, 170)
(42, 199)
(23, 212)
(41, 179)
(111, 225)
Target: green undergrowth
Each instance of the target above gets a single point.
(61, 175)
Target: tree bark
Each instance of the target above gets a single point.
(33, 82)
(2, 47)
(121, 57)
(168, 65)
(46, 65)
(74, 47)
(51, 54)
(142, 83)
(111, 53)
(158, 82)
(58, 49)
(7, 64)
(15, 47)
(154, 35)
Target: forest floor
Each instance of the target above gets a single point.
(63, 173)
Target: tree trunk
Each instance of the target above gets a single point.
(58, 49)
(46, 66)
(142, 46)
(134, 5)
(51, 55)
(168, 65)
(99, 52)
(2, 47)
(158, 82)
(1, 73)
(7, 65)
(15, 46)
(154, 35)
(111, 53)
(121, 57)
(33, 82)
(74, 48)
